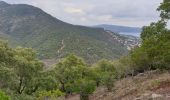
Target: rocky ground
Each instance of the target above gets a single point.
(153, 85)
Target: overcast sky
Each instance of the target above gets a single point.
(92, 12)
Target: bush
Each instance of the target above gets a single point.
(3, 96)
(52, 95)
(85, 87)
(107, 73)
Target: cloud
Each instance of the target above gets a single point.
(74, 11)
(91, 12)
(105, 18)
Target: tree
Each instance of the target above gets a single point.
(6, 65)
(6, 54)
(27, 69)
(68, 71)
(85, 87)
(96, 75)
(20, 70)
(153, 30)
(6, 76)
(107, 73)
(140, 61)
(124, 67)
(47, 81)
(74, 77)
(164, 9)
(154, 51)
(22, 74)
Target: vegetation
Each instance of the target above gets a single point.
(154, 50)
(73, 75)
(106, 73)
(47, 35)
(52, 95)
(23, 76)
(3, 96)
(20, 72)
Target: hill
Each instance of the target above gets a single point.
(134, 31)
(30, 26)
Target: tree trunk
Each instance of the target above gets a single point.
(62, 86)
(21, 87)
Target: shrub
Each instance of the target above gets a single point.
(3, 96)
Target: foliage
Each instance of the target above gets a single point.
(164, 9)
(52, 95)
(153, 30)
(154, 51)
(73, 76)
(68, 71)
(28, 70)
(3, 96)
(85, 87)
(140, 60)
(124, 67)
(6, 64)
(47, 81)
(20, 71)
(107, 73)
(23, 77)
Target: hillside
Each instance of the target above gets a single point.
(134, 31)
(154, 85)
(56, 60)
(29, 26)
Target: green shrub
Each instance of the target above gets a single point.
(52, 95)
(3, 96)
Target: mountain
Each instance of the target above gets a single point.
(134, 31)
(29, 26)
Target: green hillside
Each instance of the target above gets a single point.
(29, 26)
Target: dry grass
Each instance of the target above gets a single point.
(133, 87)
(154, 82)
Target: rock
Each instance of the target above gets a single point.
(148, 96)
(157, 97)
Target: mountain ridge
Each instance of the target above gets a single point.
(29, 26)
(125, 30)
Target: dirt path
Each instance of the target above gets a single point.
(49, 62)
(62, 46)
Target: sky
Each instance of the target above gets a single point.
(136, 13)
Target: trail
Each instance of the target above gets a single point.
(62, 47)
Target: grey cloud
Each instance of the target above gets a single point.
(90, 12)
